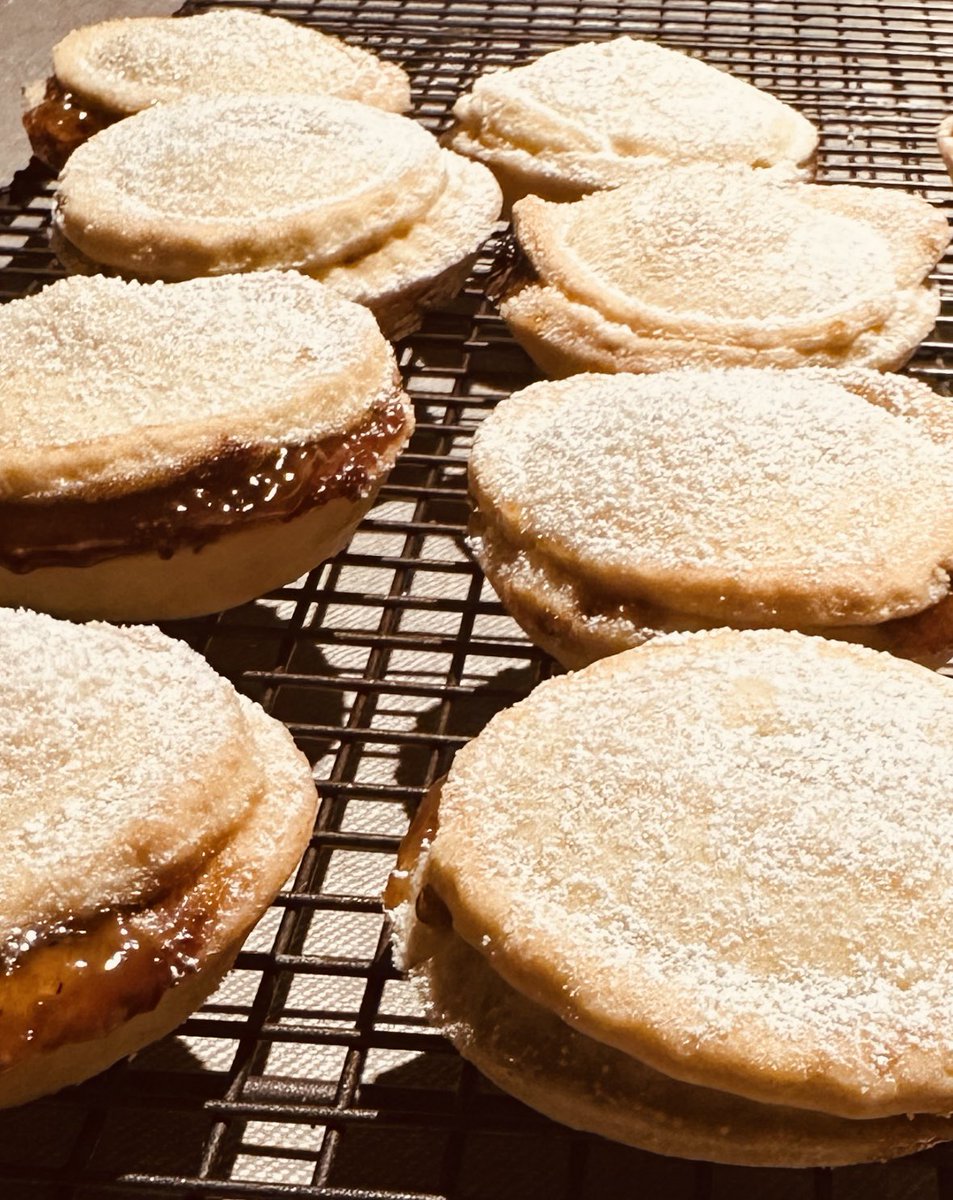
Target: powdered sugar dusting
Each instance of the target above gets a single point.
(626, 97)
(129, 64)
(725, 492)
(208, 185)
(529, 1052)
(122, 757)
(215, 157)
(128, 379)
(716, 253)
(457, 223)
(732, 853)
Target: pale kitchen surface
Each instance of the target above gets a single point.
(29, 29)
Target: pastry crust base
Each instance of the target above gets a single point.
(581, 119)
(232, 570)
(517, 172)
(565, 337)
(578, 315)
(78, 1061)
(592, 554)
(528, 1052)
(595, 841)
(401, 312)
(520, 173)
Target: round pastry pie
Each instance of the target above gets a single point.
(103, 73)
(529, 1052)
(362, 199)
(697, 897)
(611, 508)
(580, 119)
(704, 265)
(150, 814)
(168, 450)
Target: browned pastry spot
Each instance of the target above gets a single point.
(241, 486)
(61, 122)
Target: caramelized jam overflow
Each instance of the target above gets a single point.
(79, 980)
(61, 122)
(240, 486)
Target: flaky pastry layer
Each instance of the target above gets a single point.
(71, 997)
(529, 1052)
(652, 835)
(564, 337)
(451, 230)
(254, 182)
(786, 498)
(792, 274)
(123, 766)
(126, 65)
(575, 120)
(420, 267)
(115, 387)
(577, 627)
(240, 565)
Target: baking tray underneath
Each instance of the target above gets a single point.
(311, 1073)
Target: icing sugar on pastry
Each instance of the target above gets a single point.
(91, 820)
(109, 383)
(127, 65)
(581, 118)
(708, 265)
(741, 495)
(727, 855)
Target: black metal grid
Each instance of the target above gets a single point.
(311, 1074)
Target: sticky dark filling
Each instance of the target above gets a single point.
(511, 272)
(79, 980)
(61, 122)
(240, 487)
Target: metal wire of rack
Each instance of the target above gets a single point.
(311, 1073)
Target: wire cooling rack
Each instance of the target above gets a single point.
(311, 1073)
